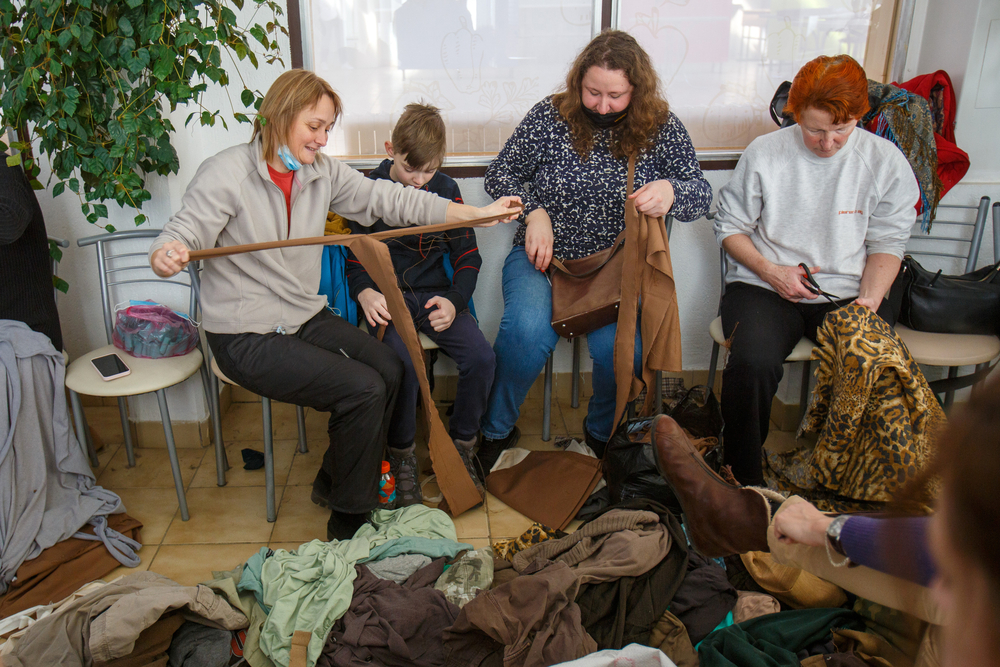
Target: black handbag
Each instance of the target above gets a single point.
(937, 303)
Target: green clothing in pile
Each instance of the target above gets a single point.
(310, 588)
(773, 640)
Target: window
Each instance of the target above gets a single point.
(484, 63)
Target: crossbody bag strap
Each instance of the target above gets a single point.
(557, 263)
(631, 175)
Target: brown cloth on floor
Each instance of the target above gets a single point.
(751, 604)
(391, 624)
(533, 620)
(64, 567)
(151, 646)
(456, 485)
(648, 277)
(548, 487)
(503, 572)
(796, 588)
(670, 636)
(624, 611)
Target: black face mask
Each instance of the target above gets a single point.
(605, 120)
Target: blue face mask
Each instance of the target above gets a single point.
(287, 159)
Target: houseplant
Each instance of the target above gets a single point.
(93, 81)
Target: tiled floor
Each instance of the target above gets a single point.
(228, 524)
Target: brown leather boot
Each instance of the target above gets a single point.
(721, 519)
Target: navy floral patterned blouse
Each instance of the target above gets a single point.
(586, 200)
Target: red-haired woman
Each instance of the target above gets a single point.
(567, 161)
(823, 194)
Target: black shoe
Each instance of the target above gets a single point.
(403, 465)
(490, 450)
(342, 526)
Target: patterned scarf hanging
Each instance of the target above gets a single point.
(905, 119)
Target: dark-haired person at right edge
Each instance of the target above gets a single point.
(825, 194)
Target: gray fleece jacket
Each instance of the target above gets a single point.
(232, 200)
(827, 212)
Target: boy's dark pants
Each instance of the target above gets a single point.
(763, 329)
(309, 368)
(467, 347)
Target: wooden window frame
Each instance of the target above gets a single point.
(885, 56)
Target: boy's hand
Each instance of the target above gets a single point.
(373, 303)
(441, 318)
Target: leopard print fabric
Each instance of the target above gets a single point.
(874, 413)
(536, 534)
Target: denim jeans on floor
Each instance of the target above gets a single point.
(525, 341)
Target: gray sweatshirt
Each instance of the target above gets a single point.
(232, 200)
(827, 212)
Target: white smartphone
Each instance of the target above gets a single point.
(111, 367)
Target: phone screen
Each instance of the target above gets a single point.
(110, 364)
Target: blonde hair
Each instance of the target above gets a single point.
(420, 136)
(290, 93)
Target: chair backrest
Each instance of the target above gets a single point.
(122, 262)
(954, 238)
(61, 243)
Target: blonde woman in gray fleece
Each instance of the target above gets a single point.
(268, 327)
(823, 194)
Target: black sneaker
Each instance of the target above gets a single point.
(466, 449)
(403, 466)
(342, 526)
(490, 450)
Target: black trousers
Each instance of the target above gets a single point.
(330, 366)
(763, 329)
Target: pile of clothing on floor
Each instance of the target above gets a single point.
(404, 591)
(58, 528)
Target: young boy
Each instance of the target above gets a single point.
(438, 305)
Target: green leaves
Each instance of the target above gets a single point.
(95, 80)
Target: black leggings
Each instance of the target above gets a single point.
(330, 366)
(763, 329)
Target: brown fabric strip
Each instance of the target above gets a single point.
(343, 240)
(647, 276)
(457, 487)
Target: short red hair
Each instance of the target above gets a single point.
(835, 84)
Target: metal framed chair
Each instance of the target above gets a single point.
(221, 460)
(122, 263)
(954, 350)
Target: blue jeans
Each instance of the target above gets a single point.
(526, 340)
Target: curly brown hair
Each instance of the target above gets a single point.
(647, 110)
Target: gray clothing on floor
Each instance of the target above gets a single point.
(197, 645)
(398, 568)
(55, 493)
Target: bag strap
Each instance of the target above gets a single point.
(557, 263)
(619, 242)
